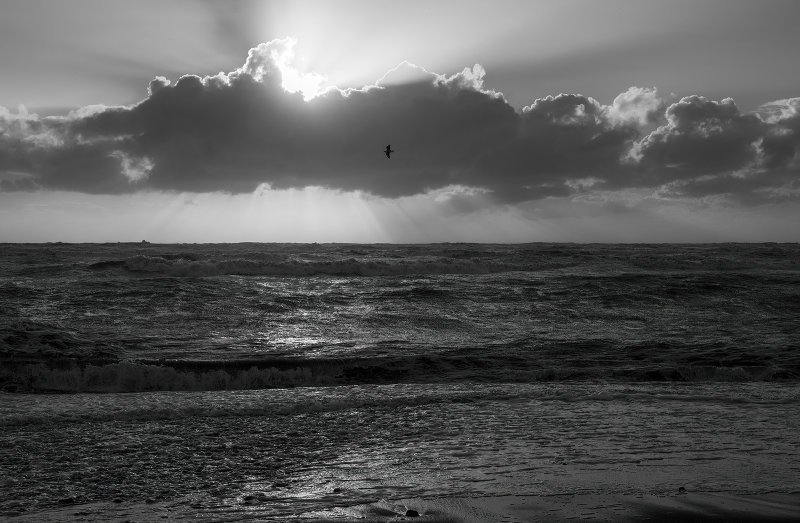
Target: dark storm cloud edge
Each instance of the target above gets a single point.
(233, 132)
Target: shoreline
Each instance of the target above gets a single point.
(684, 507)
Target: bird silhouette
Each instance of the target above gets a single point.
(388, 151)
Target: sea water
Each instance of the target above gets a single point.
(280, 381)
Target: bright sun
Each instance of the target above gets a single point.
(292, 79)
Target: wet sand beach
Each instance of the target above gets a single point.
(690, 507)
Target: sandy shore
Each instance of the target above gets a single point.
(683, 507)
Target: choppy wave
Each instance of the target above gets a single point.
(27, 410)
(21, 338)
(278, 403)
(112, 318)
(13, 290)
(180, 266)
(141, 376)
(342, 259)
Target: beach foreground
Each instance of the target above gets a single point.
(685, 507)
(470, 452)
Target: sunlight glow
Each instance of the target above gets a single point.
(292, 79)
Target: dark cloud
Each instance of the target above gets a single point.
(232, 132)
(709, 148)
(702, 137)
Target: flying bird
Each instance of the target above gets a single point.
(388, 151)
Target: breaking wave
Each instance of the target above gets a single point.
(147, 376)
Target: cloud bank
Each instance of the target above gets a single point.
(233, 132)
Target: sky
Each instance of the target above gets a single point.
(512, 121)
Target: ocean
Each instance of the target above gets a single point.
(348, 382)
